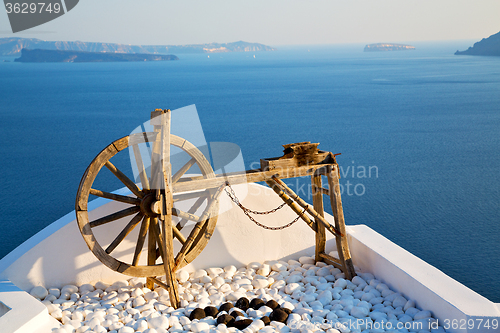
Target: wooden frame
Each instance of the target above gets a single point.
(152, 206)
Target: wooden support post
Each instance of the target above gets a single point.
(153, 183)
(338, 215)
(168, 203)
(151, 253)
(318, 207)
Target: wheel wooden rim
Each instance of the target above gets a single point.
(139, 206)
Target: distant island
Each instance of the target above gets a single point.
(38, 55)
(387, 47)
(486, 47)
(12, 46)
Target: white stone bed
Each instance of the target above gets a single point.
(317, 294)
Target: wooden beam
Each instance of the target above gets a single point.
(292, 204)
(307, 207)
(158, 282)
(332, 261)
(318, 207)
(168, 203)
(320, 189)
(250, 176)
(338, 215)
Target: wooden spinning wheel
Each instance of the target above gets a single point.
(151, 205)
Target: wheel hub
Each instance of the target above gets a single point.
(147, 203)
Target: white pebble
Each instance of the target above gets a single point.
(290, 288)
(70, 289)
(294, 278)
(230, 269)
(278, 284)
(279, 267)
(323, 271)
(214, 271)
(199, 327)
(307, 260)
(325, 297)
(399, 301)
(288, 305)
(367, 296)
(260, 283)
(199, 273)
(264, 270)
(359, 312)
(409, 304)
(150, 295)
(101, 285)
(118, 284)
(340, 283)
(182, 276)
(138, 301)
(422, 315)
(39, 292)
(54, 291)
(86, 288)
(126, 329)
(159, 322)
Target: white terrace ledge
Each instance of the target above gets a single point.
(58, 255)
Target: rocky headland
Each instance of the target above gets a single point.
(13, 46)
(82, 56)
(387, 47)
(486, 47)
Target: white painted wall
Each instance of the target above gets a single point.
(58, 255)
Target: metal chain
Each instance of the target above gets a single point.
(233, 197)
(247, 211)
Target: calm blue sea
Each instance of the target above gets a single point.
(420, 129)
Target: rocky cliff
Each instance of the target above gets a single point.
(486, 47)
(82, 56)
(13, 46)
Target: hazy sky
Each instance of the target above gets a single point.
(272, 22)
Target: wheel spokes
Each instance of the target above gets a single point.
(124, 179)
(115, 216)
(178, 235)
(155, 228)
(192, 210)
(137, 206)
(121, 236)
(191, 195)
(183, 170)
(140, 240)
(186, 216)
(116, 197)
(197, 228)
(140, 167)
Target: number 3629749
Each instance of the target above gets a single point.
(32, 8)
(471, 324)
